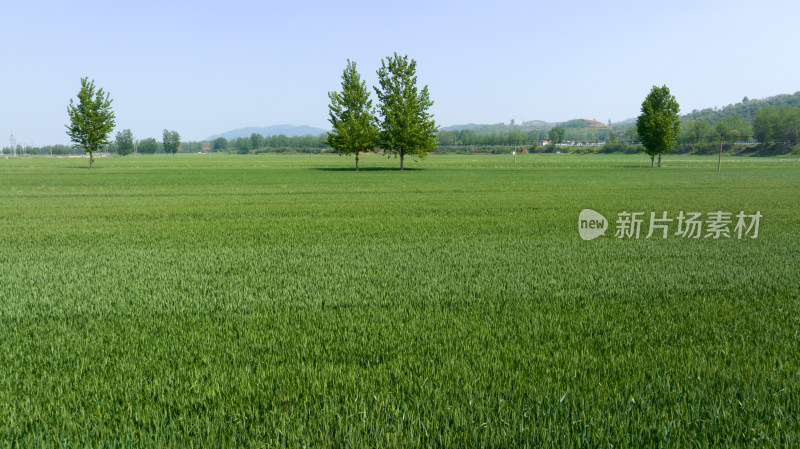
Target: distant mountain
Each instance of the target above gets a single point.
(286, 130)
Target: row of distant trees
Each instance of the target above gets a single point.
(777, 125)
(531, 138)
(770, 125)
(126, 144)
(746, 109)
(403, 125)
(277, 143)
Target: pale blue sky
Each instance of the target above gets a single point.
(203, 67)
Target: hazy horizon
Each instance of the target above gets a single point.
(203, 68)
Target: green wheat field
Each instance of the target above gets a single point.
(288, 301)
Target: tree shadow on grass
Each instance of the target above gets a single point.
(353, 169)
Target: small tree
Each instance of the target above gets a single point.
(219, 144)
(148, 146)
(257, 141)
(406, 126)
(172, 140)
(242, 145)
(732, 128)
(695, 132)
(777, 125)
(659, 123)
(91, 120)
(352, 117)
(124, 142)
(557, 134)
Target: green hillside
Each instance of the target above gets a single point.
(746, 108)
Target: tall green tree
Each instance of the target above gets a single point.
(732, 128)
(659, 124)
(219, 144)
(91, 120)
(777, 125)
(124, 142)
(352, 116)
(696, 131)
(557, 134)
(256, 141)
(764, 124)
(148, 146)
(406, 125)
(243, 145)
(515, 136)
(172, 140)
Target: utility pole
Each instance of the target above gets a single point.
(516, 138)
(719, 162)
(515, 150)
(13, 142)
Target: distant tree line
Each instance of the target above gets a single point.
(746, 109)
(55, 150)
(772, 122)
(519, 137)
(276, 144)
(777, 124)
(126, 144)
(776, 127)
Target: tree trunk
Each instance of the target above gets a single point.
(659, 160)
(401, 160)
(356, 160)
(91, 159)
(652, 160)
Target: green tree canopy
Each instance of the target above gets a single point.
(557, 134)
(91, 120)
(406, 127)
(352, 117)
(219, 144)
(172, 140)
(659, 124)
(148, 146)
(256, 141)
(733, 128)
(777, 124)
(124, 142)
(243, 145)
(696, 131)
